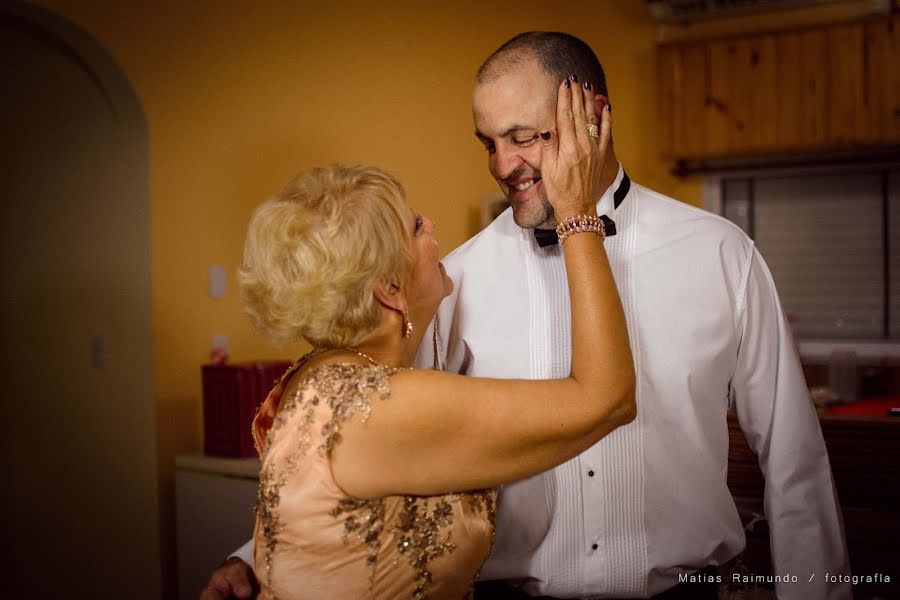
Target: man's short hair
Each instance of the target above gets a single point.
(559, 54)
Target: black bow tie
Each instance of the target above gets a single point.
(548, 237)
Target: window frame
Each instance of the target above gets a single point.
(820, 349)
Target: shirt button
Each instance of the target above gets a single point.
(594, 546)
(591, 473)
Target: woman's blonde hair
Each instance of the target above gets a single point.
(314, 252)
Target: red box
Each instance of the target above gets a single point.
(231, 396)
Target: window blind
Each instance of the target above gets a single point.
(823, 237)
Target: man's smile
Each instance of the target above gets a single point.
(518, 187)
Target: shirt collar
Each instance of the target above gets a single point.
(611, 199)
(606, 205)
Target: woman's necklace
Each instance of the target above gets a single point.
(359, 353)
(362, 354)
(372, 360)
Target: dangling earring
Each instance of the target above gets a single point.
(407, 324)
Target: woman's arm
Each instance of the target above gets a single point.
(441, 432)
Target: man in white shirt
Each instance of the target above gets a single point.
(650, 502)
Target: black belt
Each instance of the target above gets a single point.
(706, 587)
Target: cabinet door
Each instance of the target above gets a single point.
(740, 117)
(882, 52)
(850, 117)
(820, 88)
(668, 60)
(683, 100)
(799, 98)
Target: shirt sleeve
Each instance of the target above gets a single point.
(245, 553)
(781, 425)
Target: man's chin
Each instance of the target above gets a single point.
(531, 210)
(529, 220)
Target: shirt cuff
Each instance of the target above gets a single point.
(245, 553)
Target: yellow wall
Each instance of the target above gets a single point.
(241, 95)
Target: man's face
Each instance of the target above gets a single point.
(509, 114)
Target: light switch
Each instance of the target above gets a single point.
(220, 342)
(98, 353)
(217, 282)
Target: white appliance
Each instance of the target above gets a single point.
(214, 502)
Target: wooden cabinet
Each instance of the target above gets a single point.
(800, 104)
(882, 60)
(865, 462)
(828, 88)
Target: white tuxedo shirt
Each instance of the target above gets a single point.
(651, 500)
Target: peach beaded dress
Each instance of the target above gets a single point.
(312, 540)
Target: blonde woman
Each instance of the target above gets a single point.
(376, 478)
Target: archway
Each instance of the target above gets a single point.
(78, 435)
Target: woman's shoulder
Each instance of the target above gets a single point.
(332, 392)
(345, 377)
(344, 386)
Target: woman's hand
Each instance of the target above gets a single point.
(572, 159)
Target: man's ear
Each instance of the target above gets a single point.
(390, 295)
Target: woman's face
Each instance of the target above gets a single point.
(428, 282)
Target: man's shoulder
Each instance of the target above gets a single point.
(659, 209)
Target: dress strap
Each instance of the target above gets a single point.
(265, 414)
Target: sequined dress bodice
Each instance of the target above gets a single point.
(312, 540)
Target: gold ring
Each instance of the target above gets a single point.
(593, 130)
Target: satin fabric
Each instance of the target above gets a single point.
(312, 540)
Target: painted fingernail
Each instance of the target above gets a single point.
(573, 78)
(568, 84)
(545, 135)
(591, 87)
(609, 108)
(586, 86)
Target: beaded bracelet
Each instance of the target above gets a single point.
(580, 224)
